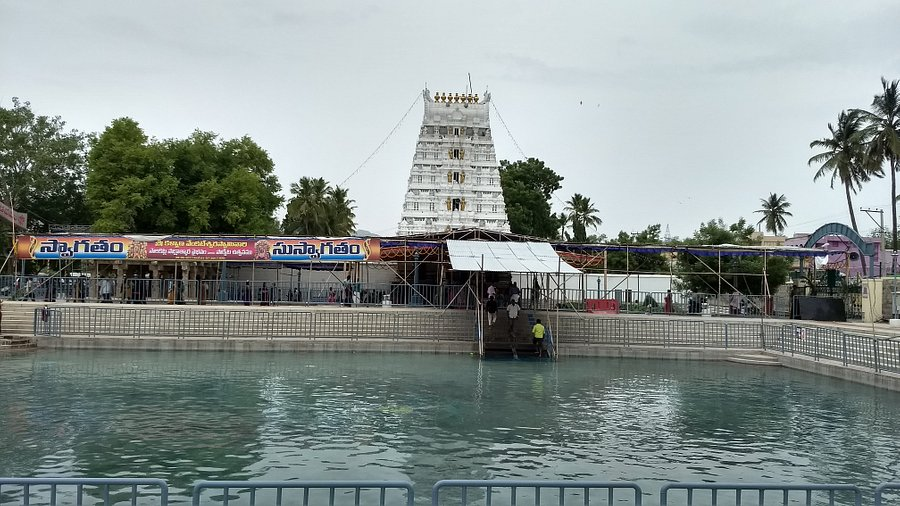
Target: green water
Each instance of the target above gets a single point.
(189, 416)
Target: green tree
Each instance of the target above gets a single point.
(224, 187)
(200, 184)
(844, 158)
(42, 167)
(340, 212)
(883, 133)
(583, 215)
(700, 274)
(130, 185)
(527, 188)
(633, 261)
(317, 209)
(774, 210)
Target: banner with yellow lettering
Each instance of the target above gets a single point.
(255, 249)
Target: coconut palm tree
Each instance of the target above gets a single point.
(883, 133)
(340, 212)
(774, 209)
(844, 158)
(582, 215)
(307, 211)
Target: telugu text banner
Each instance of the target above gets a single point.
(268, 249)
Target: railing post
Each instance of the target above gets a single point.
(726, 334)
(816, 355)
(844, 347)
(875, 346)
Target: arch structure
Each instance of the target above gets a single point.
(865, 248)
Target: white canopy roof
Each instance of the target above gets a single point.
(537, 257)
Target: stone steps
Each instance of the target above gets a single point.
(755, 359)
(11, 342)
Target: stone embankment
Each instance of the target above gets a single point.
(829, 350)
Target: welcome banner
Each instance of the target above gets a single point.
(255, 249)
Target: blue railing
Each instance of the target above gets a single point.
(143, 491)
(331, 493)
(513, 492)
(881, 490)
(58, 491)
(733, 493)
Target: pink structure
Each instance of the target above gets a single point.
(841, 250)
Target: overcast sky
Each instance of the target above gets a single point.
(670, 112)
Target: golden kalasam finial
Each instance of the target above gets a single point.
(443, 97)
(437, 96)
(476, 98)
(456, 98)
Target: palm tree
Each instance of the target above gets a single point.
(307, 211)
(774, 209)
(340, 212)
(883, 133)
(582, 215)
(844, 158)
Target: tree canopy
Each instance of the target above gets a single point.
(638, 262)
(882, 132)
(582, 214)
(198, 185)
(318, 209)
(774, 210)
(528, 186)
(699, 274)
(844, 158)
(42, 167)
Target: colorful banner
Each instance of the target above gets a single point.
(263, 249)
(20, 220)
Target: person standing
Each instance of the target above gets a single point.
(491, 291)
(734, 302)
(264, 295)
(105, 290)
(667, 302)
(512, 310)
(514, 293)
(538, 337)
(348, 291)
(491, 307)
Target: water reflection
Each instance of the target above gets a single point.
(189, 416)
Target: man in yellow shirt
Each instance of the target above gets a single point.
(538, 340)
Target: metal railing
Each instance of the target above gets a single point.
(654, 302)
(196, 323)
(304, 493)
(879, 354)
(235, 292)
(513, 492)
(884, 489)
(134, 491)
(110, 491)
(734, 493)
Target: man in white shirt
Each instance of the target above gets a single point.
(512, 310)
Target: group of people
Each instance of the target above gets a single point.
(512, 310)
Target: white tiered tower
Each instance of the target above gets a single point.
(455, 178)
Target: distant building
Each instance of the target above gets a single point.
(844, 256)
(455, 179)
(772, 241)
